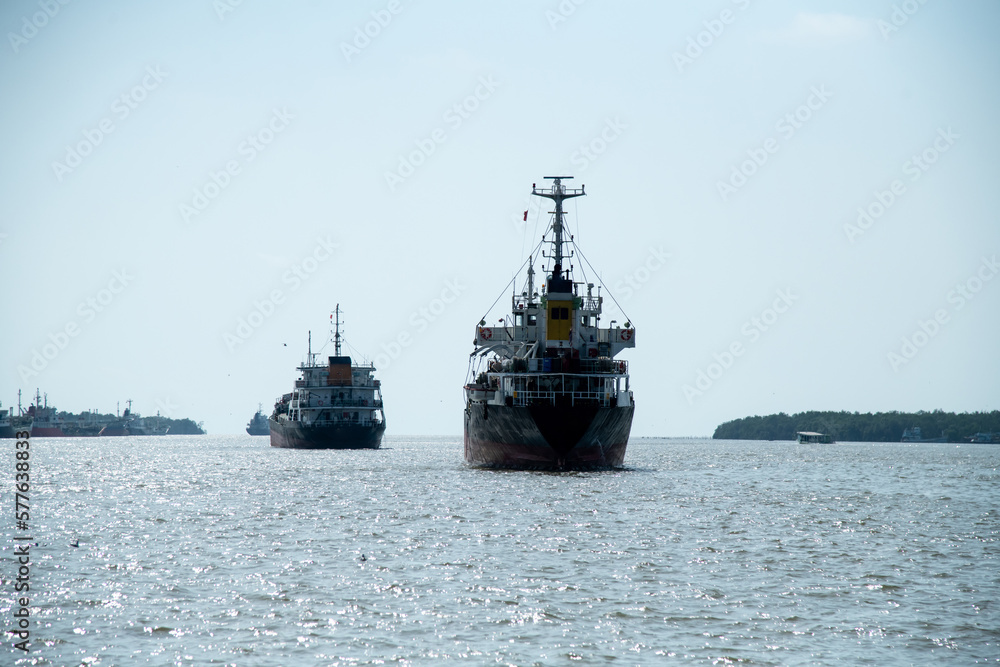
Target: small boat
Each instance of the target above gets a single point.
(811, 437)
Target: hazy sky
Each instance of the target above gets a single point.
(796, 203)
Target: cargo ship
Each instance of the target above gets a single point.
(121, 426)
(544, 389)
(84, 425)
(258, 423)
(916, 435)
(44, 421)
(334, 405)
(148, 425)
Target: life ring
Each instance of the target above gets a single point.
(592, 352)
(321, 401)
(626, 334)
(485, 333)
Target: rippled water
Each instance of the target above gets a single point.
(222, 550)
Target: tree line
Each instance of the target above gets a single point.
(861, 427)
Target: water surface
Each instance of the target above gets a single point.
(221, 550)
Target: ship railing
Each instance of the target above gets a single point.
(364, 420)
(524, 398)
(324, 383)
(558, 388)
(604, 365)
(356, 403)
(551, 379)
(345, 422)
(336, 405)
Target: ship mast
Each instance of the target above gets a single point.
(558, 193)
(336, 335)
(531, 278)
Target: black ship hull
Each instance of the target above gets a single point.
(548, 437)
(292, 435)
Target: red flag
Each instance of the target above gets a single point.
(525, 216)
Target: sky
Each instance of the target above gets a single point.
(795, 203)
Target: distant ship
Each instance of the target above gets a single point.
(121, 426)
(148, 425)
(915, 435)
(83, 425)
(6, 429)
(544, 389)
(258, 423)
(336, 405)
(132, 423)
(812, 437)
(45, 423)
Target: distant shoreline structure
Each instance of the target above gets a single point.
(971, 427)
